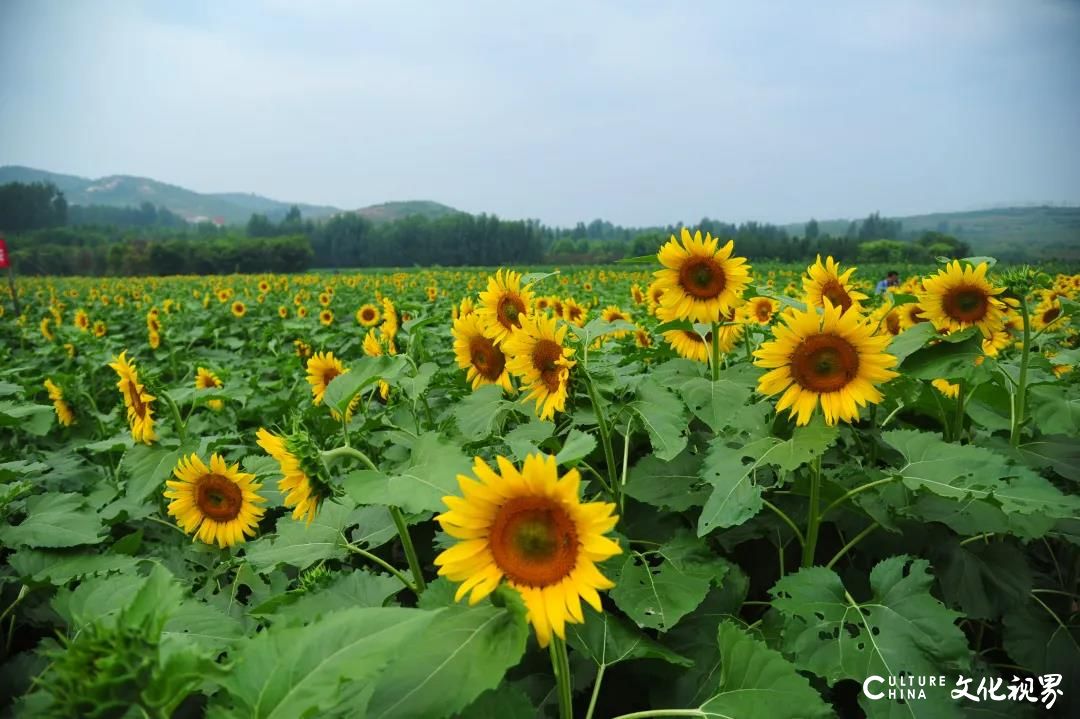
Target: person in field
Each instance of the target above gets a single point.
(892, 279)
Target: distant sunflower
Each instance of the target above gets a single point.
(100, 329)
(537, 355)
(64, 412)
(530, 528)
(82, 320)
(946, 388)
(833, 358)
(239, 309)
(140, 413)
(911, 314)
(996, 342)
(573, 312)
(642, 338)
(372, 347)
(700, 279)
(653, 295)
(637, 295)
(303, 493)
(1047, 313)
(825, 281)
(478, 354)
(613, 313)
(960, 296)
(217, 503)
(390, 326)
(46, 329)
(321, 369)
(153, 339)
(205, 379)
(503, 305)
(368, 315)
(759, 310)
(326, 318)
(264, 286)
(301, 311)
(283, 312)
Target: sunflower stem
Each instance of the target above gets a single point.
(181, 426)
(1020, 398)
(663, 713)
(746, 343)
(560, 665)
(854, 540)
(813, 516)
(605, 439)
(410, 550)
(384, 564)
(714, 355)
(595, 691)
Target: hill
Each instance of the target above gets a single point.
(392, 211)
(1032, 231)
(129, 191)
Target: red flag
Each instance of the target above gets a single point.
(3, 254)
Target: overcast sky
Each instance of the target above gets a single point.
(637, 112)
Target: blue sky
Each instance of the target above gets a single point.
(637, 112)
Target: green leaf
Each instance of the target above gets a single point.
(415, 386)
(33, 418)
(358, 588)
(913, 338)
(320, 669)
(367, 371)
(55, 520)
(430, 475)
(736, 497)
(1054, 409)
(949, 360)
(673, 485)
(466, 651)
(525, 439)
(608, 639)
(758, 683)
(577, 446)
(901, 628)
(300, 544)
(479, 413)
(713, 402)
(658, 588)
(983, 580)
(147, 467)
(504, 702)
(60, 567)
(203, 625)
(966, 472)
(1036, 641)
(1062, 454)
(663, 416)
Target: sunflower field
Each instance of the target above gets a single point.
(677, 487)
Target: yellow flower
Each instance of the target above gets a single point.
(530, 528)
(239, 309)
(326, 318)
(205, 379)
(759, 310)
(140, 413)
(82, 320)
(217, 503)
(321, 368)
(503, 305)
(100, 329)
(573, 313)
(834, 358)
(947, 388)
(367, 315)
(300, 492)
(960, 296)
(46, 330)
(154, 339)
(824, 281)
(688, 344)
(642, 338)
(283, 312)
(1048, 313)
(389, 328)
(996, 342)
(372, 347)
(63, 409)
(301, 312)
(536, 355)
(478, 354)
(700, 281)
(911, 314)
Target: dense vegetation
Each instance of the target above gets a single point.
(51, 237)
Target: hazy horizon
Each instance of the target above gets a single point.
(637, 114)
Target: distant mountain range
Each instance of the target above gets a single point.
(1053, 230)
(227, 207)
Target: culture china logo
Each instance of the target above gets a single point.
(1033, 690)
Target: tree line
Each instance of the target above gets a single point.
(49, 237)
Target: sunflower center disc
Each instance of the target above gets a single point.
(836, 294)
(486, 358)
(824, 363)
(510, 307)
(534, 541)
(136, 399)
(545, 357)
(218, 498)
(328, 375)
(966, 305)
(702, 277)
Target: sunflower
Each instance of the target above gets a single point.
(46, 329)
(217, 503)
(154, 339)
(1047, 313)
(536, 355)
(911, 314)
(642, 338)
(205, 379)
(478, 354)
(996, 342)
(302, 493)
(301, 311)
(824, 281)
(503, 305)
(946, 388)
(654, 294)
(326, 317)
(100, 329)
(321, 368)
(283, 312)
(960, 296)
(612, 313)
(700, 279)
(367, 315)
(637, 295)
(264, 286)
(530, 528)
(82, 320)
(759, 310)
(324, 299)
(574, 313)
(689, 344)
(834, 357)
(140, 413)
(389, 327)
(63, 409)
(239, 309)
